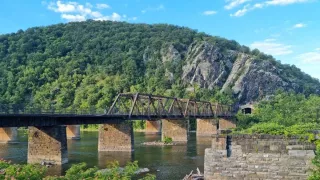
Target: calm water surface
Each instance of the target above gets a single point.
(169, 162)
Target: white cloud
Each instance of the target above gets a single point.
(270, 46)
(113, 17)
(103, 6)
(310, 57)
(284, 2)
(70, 17)
(299, 25)
(318, 49)
(73, 11)
(96, 14)
(83, 10)
(241, 12)
(246, 8)
(258, 5)
(234, 3)
(63, 8)
(158, 8)
(208, 13)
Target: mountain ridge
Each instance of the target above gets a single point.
(86, 63)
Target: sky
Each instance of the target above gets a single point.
(287, 29)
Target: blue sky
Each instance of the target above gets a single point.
(287, 29)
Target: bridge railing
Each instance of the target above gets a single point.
(20, 109)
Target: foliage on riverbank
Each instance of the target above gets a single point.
(77, 171)
(21, 172)
(286, 114)
(285, 109)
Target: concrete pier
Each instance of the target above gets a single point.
(48, 144)
(73, 132)
(206, 127)
(153, 127)
(116, 137)
(175, 129)
(9, 135)
(225, 124)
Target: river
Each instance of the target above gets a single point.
(167, 163)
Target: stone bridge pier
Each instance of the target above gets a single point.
(207, 127)
(153, 127)
(226, 123)
(176, 129)
(8, 135)
(116, 137)
(47, 143)
(73, 131)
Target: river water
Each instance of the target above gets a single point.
(167, 163)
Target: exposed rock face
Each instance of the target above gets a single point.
(249, 77)
(206, 65)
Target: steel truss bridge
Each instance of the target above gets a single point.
(126, 106)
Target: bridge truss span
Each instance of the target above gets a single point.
(156, 107)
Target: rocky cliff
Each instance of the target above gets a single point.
(248, 76)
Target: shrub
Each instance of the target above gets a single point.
(265, 128)
(17, 171)
(167, 140)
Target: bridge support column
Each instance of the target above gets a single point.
(73, 131)
(153, 127)
(47, 144)
(116, 137)
(225, 124)
(175, 129)
(8, 135)
(206, 127)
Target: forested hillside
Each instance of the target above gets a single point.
(86, 64)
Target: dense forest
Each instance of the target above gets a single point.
(85, 64)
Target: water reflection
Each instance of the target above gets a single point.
(202, 141)
(105, 158)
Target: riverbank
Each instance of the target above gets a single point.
(76, 171)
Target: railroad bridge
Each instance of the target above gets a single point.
(50, 128)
